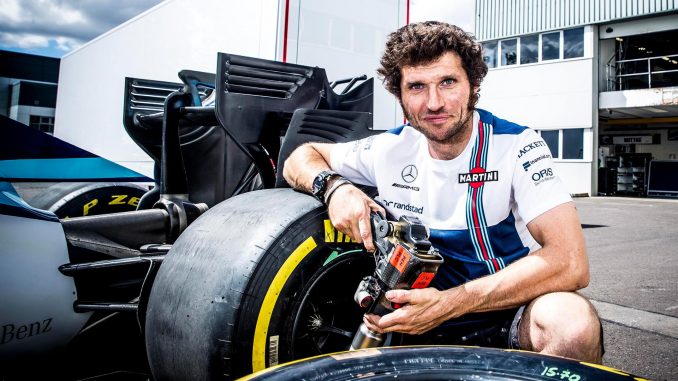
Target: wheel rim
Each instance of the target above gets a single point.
(327, 317)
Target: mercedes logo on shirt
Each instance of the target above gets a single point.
(409, 173)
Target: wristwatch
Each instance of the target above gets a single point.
(320, 184)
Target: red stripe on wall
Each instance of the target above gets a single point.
(287, 20)
(407, 15)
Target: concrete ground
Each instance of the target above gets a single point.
(633, 252)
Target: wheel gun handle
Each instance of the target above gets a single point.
(381, 228)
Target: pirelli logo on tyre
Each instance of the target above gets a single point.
(117, 199)
(333, 235)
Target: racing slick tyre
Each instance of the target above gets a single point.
(439, 363)
(259, 279)
(88, 199)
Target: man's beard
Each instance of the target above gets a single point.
(454, 134)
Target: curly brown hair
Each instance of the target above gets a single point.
(423, 43)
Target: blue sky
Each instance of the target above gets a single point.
(55, 27)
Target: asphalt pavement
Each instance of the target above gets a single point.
(633, 252)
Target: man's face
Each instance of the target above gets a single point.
(435, 98)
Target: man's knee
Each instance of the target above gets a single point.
(564, 324)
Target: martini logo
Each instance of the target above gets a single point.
(477, 177)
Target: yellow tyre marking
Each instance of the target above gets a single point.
(329, 231)
(259, 344)
(333, 235)
(118, 199)
(88, 206)
(368, 352)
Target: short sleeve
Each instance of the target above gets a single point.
(536, 185)
(356, 160)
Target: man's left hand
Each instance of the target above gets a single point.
(422, 310)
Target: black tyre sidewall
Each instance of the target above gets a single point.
(440, 363)
(288, 302)
(222, 272)
(88, 199)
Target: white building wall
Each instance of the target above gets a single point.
(175, 35)
(545, 96)
(505, 18)
(347, 38)
(549, 96)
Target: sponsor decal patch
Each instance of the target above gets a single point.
(405, 207)
(529, 163)
(530, 147)
(477, 177)
(543, 175)
(409, 173)
(12, 332)
(364, 144)
(405, 186)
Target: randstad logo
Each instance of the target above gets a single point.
(529, 163)
(406, 207)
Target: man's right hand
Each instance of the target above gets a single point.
(349, 210)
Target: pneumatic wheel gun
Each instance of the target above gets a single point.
(404, 259)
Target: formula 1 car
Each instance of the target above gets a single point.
(220, 270)
(70, 266)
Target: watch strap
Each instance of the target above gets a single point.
(335, 185)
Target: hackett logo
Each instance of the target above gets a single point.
(478, 176)
(530, 147)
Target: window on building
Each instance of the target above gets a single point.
(509, 52)
(573, 43)
(42, 123)
(490, 53)
(535, 48)
(529, 49)
(550, 46)
(573, 143)
(639, 54)
(551, 139)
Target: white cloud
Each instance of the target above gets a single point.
(67, 24)
(10, 10)
(66, 44)
(23, 41)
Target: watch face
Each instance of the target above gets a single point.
(320, 183)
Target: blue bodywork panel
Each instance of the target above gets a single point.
(27, 154)
(12, 204)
